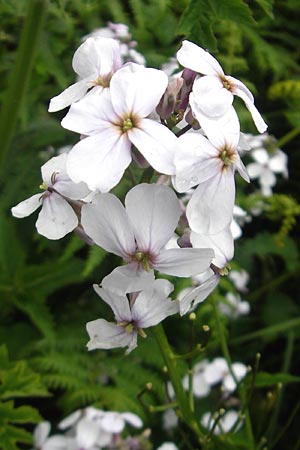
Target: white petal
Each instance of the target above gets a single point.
(113, 422)
(56, 218)
(91, 115)
(154, 212)
(256, 116)
(118, 303)
(197, 59)
(278, 162)
(70, 95)
(97, 56)
(70, 420)
(255, 170)
(87, 433)
(198, 294)
(100, 160)
(237, 86)
(132, 419)
(106, 222)
(106, 335)
(210, 209)
(241, 168)
(156, 143)
(41, 432)
(152, 305)
(209, 97)
(56, 442)
(184, 262)
(195, 161)
(222, 244)
(28, 206)
(200, 387)
(55, 165)
(126, 279)
(137, 90)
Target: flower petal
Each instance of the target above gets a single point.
(209, 97)
(28, 206)
(184, 262)
(195, 58)
(100, 160)
(126, 279)
(56, 218)
(210, 209)
(154, 212)
(198, 294)
(106, 335)
(70, 95)
(156, 143)
(132, 419)
(118, 303)
(222, 243)
(106, 222)
(256, 116)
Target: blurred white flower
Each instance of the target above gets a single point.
(225, 423)
(240, 279)
(233, 306)
(217, 371)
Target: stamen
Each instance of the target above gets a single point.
(127, 125)
(43, 186)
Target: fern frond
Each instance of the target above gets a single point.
(286, 88)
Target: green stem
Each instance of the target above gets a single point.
(226, 354)
(20, 76)
(182, 399)
(273, 329)
(288, 137)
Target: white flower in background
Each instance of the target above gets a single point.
(170, 419)
(115, 422)
(145, 309)
(225, 423)
(42, 441)
(95, 61)
(201, 388)
(213, 93)
(57, 217)
(240, 217)
(217, 371)
(138, 233)
(120, 32)
(240, 279)
(210, 164)
(268, 161)
(233, 306)
(167, 446)
(113, 122)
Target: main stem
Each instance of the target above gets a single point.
(182, 399)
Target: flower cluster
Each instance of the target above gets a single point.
(186, 129)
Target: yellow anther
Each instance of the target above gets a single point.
(43, 186)
(127, 125)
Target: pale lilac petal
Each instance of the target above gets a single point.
(91, 115)
(152, 305)
(200, 387)
(41, 432)
(106, 335)
(87, 433)
(55, 165)
(154, 212)
(209, 97)
(237, 86)
(56, 442)
(183, 262)
(97, 56)
(100, 160)
(113, 422)
(210, 209)
(56, 218)
(127, 279)
(195, 161)
(106, 222)
(278, 162)
(28, 206)
(197, 59)
(255, 170)
(70, 420)
(132, 419)
(222, 244)
(69, 189)
(256, 116)
(241, 168)
(198, 294)
(70, 95)
(215, 371)
(137, 90)
(118, 303)
(156, 143)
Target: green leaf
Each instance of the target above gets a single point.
(267, 6)
(10, 436)
(265, 379)
(22, 414)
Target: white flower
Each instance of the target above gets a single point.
(213, 93)
(170, 419)
(57, 217)
(113, 122)
(43, 442)
(218, 371)
(240, 217)
(94, 61)
(139, 234)
(210, 164)
(167, 446)
(201, 388)
(233, 306)
(114, 422)
(224, 425)
(265, 167)
(145, 309)
(240, 279)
